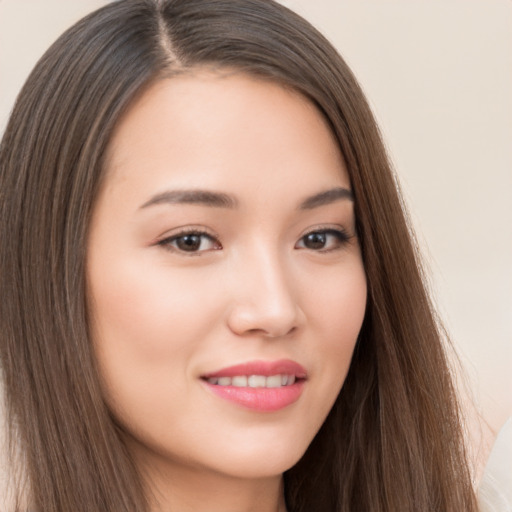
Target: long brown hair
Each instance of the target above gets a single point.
(393, 440)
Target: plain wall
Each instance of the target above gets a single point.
(439, 77)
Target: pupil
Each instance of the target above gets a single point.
(189, 242)
(315, 240)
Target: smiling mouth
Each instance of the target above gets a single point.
(254, 381)
(263, 386)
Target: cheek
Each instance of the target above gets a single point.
(147, 310)
(336, 315)
(337, 306)
(146, 329)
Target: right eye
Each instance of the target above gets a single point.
(190, 242)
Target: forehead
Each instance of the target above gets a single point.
(223, 127)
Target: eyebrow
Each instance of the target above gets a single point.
(203, 197)
(222, 200)
(327, 197)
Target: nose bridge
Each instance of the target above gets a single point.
(272, 276)
(265, 300)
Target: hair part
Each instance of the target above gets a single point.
(393, 439)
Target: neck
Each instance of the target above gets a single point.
(190, 490)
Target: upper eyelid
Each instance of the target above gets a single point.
(167, 241)
(333, 231)
(343, 235)
(187, 230)
(323, 228)
(200, 230)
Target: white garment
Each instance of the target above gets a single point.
(495, 493)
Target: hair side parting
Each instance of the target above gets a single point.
(393, 440)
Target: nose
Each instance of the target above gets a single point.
(264, 301)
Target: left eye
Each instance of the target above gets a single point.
(324, 240)
(190, 242)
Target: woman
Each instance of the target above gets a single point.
(212, 297)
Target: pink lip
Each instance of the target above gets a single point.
(266, 368)
(260, 399)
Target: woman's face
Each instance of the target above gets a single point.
(225, 278)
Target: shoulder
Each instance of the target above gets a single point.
(495, 492)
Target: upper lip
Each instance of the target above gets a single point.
(265, 368)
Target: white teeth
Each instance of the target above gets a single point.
(239, 382)
(254, 381)
(274, 381)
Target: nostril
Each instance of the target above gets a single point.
(271, 333)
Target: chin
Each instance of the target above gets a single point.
(261, 462)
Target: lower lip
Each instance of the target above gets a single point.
(259, 399)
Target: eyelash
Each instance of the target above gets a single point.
(341, 236)
(166, 243)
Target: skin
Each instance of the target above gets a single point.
(253, 288)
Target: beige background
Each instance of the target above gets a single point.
(439, 77)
